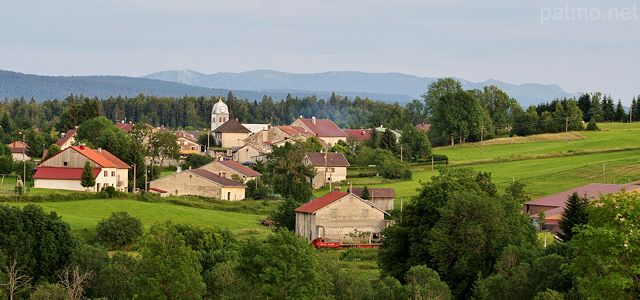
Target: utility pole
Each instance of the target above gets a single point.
(604, 179)
(481, 139)
(630, 113)
(134, 178)
(566, 130)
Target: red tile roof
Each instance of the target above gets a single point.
(121, 164)
(323, 127)
(225, 182)
(320, 202)
(332, 159)
(67, 136)
(238, 168)
(125, 126)
(360, 134)
(157, 190)
(374, 192)
(423, 127)
(103, 159)
(18, 144)
(18, 150)
(62, 173)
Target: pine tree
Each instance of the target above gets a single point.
(365, 193)
(87, 180)
(575, 214)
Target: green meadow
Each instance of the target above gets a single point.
(85, 214)
(547, 164)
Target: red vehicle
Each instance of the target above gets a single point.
(319, 243)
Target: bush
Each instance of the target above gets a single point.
(395, 170)
(118, 230)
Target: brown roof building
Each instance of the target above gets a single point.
(200, 182)
(226, 169)
(554, 205)
(330, 168)
(322, 128)
(382, 197)
(231, 134)
(339, 216)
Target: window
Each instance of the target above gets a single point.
(106, 173)
(331, 170)
(113, 173)
(334, 213)
(65, 163)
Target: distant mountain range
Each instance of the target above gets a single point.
(253, 85)
(391, 86)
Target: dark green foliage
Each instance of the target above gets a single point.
(115, 280)
(388, 141)
(168, 268)
(118, 230)
(575, 213)
(395, 169)
(49, 291)
(284, 266)
(257, 189)
(455, 116)
(287, 173)
(6, 164)
(365, 193)
(593, 126)
(620, 114)
(390, 288)
(194, 161)
(426, 284)
(40, 242)
(285, 215)
(53, 150)
(415, 144)
(457, 225)
(91, 259)
(91, 130)
(87, 180)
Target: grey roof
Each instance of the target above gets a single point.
(225, 182)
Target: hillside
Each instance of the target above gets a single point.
(346, 83)
(16, 85)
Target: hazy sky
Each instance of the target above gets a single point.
(584, 46)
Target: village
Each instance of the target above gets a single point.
(357, 215)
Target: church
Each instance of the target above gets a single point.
(229, 132)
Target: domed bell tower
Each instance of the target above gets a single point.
(219, 114)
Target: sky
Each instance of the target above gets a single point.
(583, 46)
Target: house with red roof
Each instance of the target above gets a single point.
(554, 205)
(188, 143)
(324, 129)
(340, 217)
(330, 167)
(64, 170)
(278, 134)
(67, 139)
(19, 151)
(249, 153)
(227, 168)
(199, 182)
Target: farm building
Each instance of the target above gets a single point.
(554, 205)
(199, 182)
(226, 169)
(330, 167)
(382, 197)
(64, 170)
(342, 217)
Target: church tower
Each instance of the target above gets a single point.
(219, 114)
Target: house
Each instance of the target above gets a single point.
(125, 126)
(382, 197)
(357, 135)
(342, 217)
(67, 139)
(64, 170)
(188, 143)
(330, 167)
(19, 151)
(323, 129)
(554, 205)
(199, 182)
(230, 134)
(265, 138)
(227, 168)
(250, 153)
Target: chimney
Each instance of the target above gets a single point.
(236, 119)
(81, 146)
(100, 149)
(300, 117)
(313, 120)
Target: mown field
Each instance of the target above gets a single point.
(547, 164)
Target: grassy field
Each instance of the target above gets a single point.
(547, 164)
(85, 214)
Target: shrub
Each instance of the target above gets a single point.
(118, 230)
